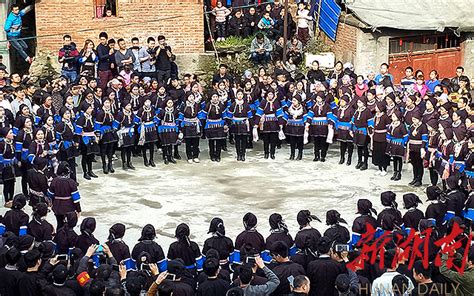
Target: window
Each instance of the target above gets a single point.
(105, 8)
(423, 43)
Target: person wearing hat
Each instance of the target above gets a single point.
(218, 241)
(9, 161)
(363, 123)
(250, 237)
(306, 239)
(176, 282)
(190, 126)
(295, 126)
(388, 200)
(16, 220)
(397, 137)
(147, 131)
(279, 232)
(379, 139)
(359, 226)
(215, 127)
(417, 141)
(39, 227)
(117, 246)
(336, 232)
(239, 116)
(444, 154)
(186, 250)
(436, 209)
(88, 100)
(89, 140)
(344, 114)
(469, 169)
(168, 130)
(412, 217)
(146, 243)
(320, 117)
(64, 194)
(106, 125)
(23, 140)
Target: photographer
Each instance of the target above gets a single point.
(246, 276)
(163, 63)
(136, 52)
(147, 58)
(173, 282)
(67, 56)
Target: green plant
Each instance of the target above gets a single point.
(315, 46)
(234, 43)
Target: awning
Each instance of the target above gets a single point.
(415, 14)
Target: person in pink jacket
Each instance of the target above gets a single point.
(420, 85)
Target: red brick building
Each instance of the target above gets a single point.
(180, 21)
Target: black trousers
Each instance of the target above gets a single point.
(106, 152)
(150, 147)
(296, 142)
(59, 221)
(192, 147)
(363, 153)
(72, 166)
(215, 147)
(433, 176)
(397, 163)
(86, 162)
(167, 151)
(417, 164)
(346, 146)
(270, 141)
(320, 146)
(8, 189)
(24, 177)
(240, 144)
(126, 154)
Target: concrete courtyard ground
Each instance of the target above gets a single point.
(195, 193)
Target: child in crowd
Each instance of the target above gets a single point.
(221, 12)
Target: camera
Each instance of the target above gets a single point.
(342, 248)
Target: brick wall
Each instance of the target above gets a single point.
(76, 17)
(345, 47)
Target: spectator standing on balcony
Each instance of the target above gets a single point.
(221, 12)
(13, 25)
(106, 59)
(303, 18)
(251, 22)
(68, 55)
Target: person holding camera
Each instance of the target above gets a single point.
(246, 276)
(147, 58)
(67, 56)
(88, 59)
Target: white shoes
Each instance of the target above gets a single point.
(383, 173)
(190, 161)
(377, 173)
(196, 160)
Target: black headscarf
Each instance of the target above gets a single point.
(364, 207)
(19, 202)
(182, 233)
(433, 193)
(217, 227)
(388, 199)
(304, 217)
(116, 231)
(276, 223)
(334, 217)
(411, 200)
(148, 233)
(250, 221)
(88, 226)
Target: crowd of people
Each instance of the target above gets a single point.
(38, 259)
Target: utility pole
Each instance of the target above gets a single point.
(285, 30)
